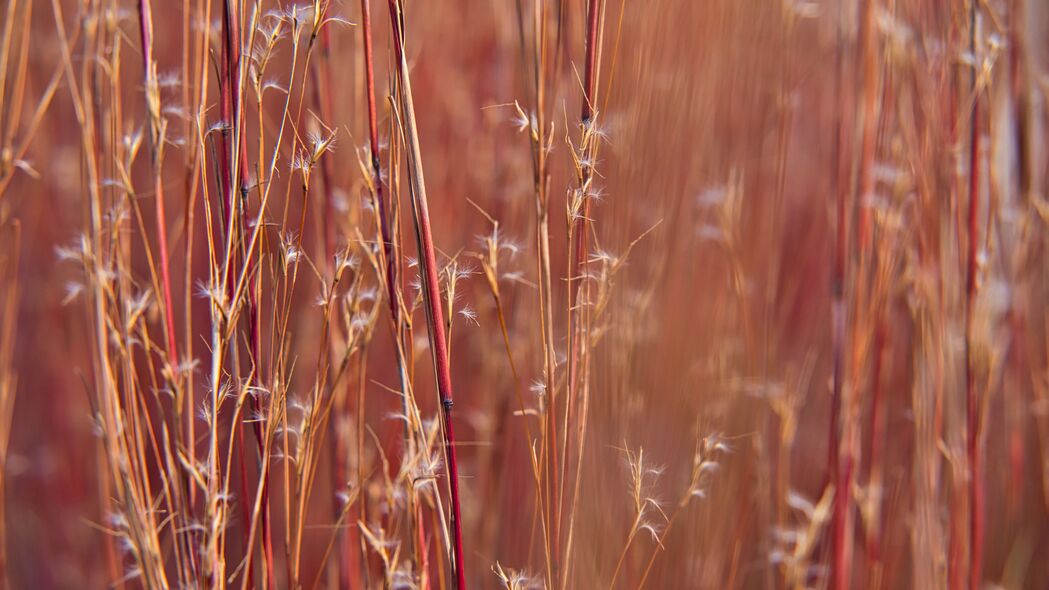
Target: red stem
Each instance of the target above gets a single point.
(322, 98)
(145, 14)
(976, 499)
(431, 292)
(373, 135)
(230, 106)
(877, 434)
(580, 233)
(836, 474)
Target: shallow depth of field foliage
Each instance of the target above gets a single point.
(521, 294)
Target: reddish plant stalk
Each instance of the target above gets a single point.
(590, 71)
(579, 296)
(157, 140)
(881, 349)
(373, 139)
(841, 524)
(841, 566)
(393, 295)
(230, 108)
(322, 98)
(1018, 98)
(956, 546)
(431, 287)
(839, 313)
(145, 14)
(231, 140)
(580, 223)
(548, 454)
(577, 269)
(868, 66)
(976, 499)
(877, 427)
(837, 280)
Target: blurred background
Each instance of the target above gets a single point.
(765, 167)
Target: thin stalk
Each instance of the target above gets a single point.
(579, 224)
(842, 529)
(972, 404)
(839, 311)
(9, 298)
(431, 287)
(389, 257)
(578, 297)
(548, 499)
(157, 128)
(545, 468)
(322, 99)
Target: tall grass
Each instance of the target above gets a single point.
(731, 294)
